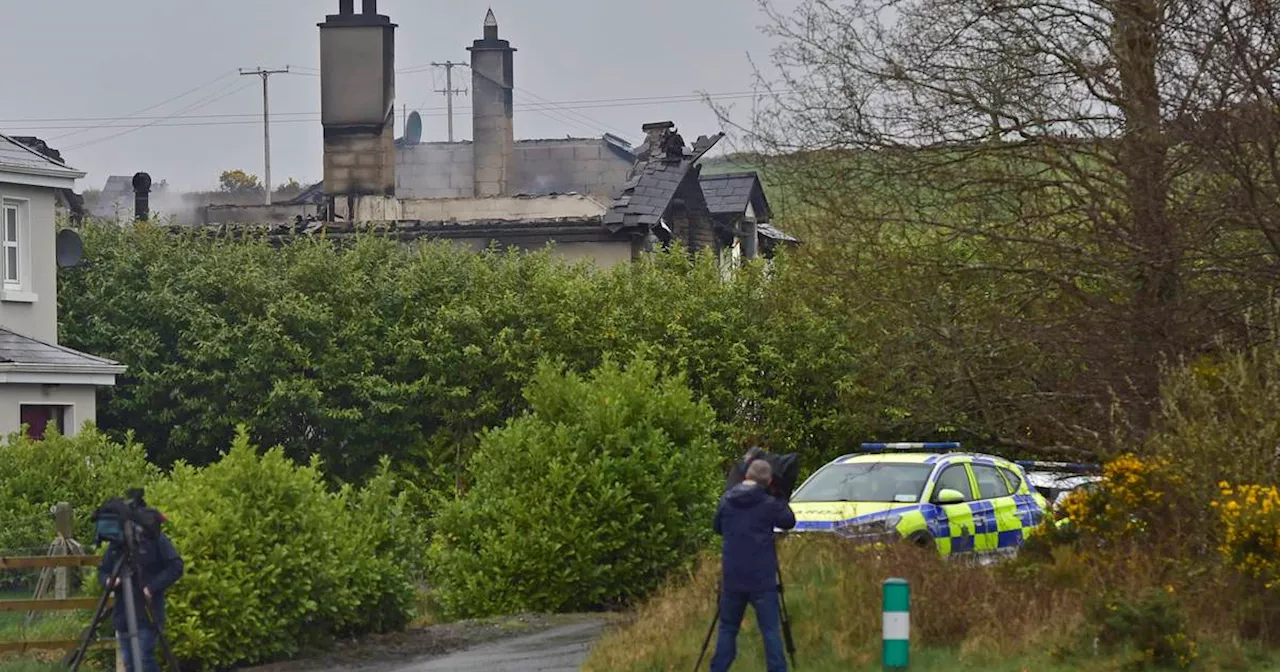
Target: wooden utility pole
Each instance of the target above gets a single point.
(448, 90)
(266, 124)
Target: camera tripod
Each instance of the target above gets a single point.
(785, 618)
(123, 575)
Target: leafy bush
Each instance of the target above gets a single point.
(1152, 627)
(1250, 517)
(274, 561)
(83, 471)
(586, 501)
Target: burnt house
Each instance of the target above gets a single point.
(663, 195)
(738, 204)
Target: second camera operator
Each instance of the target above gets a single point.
(159, 565)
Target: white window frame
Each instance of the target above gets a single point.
(19, 289)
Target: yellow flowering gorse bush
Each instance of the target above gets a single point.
(1135, 494)
(1250, 518)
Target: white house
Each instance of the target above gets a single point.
(41, 382)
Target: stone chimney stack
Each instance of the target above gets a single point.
(357, 101)
(492, 111)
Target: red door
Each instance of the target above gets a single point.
(38, 418)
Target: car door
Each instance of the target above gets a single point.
(953, 527)
(996, 522)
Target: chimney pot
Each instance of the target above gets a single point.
(490, 26)
(141, 196)
(370, 6)
(346, 6)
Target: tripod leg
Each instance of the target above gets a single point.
(131, 618)
(707, 641)
(97, 618)
(786, 620)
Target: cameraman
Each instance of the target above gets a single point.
(160, 566)
(746, 519)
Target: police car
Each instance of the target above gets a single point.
(929, 494)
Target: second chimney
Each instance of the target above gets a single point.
(492, 111)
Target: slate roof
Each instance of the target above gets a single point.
(19, 158)
(770, 231)
(645, 197)
(729, 193)
(18, 349)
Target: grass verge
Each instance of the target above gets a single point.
(964, 617)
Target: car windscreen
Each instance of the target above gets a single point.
(866, 482)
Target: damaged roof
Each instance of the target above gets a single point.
(16, 157)
(657, 176)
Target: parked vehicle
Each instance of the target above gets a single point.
(929, 494)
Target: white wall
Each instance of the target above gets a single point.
(35, 316)
(81, 398)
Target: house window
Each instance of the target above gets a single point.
(38, 418)
(11, 262)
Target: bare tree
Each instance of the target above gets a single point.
(1095, 184)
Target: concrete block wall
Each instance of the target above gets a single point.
(435, 170)
(584, 166)
(360, 163)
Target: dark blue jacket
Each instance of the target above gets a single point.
(160, 565)
(746, 519)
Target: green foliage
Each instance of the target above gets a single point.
(379, 348)
(238, 182)
(1151, 626)
(275, 561)
(585, 501)
(83, 471)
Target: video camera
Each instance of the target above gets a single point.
(786, 470)
(111, 519)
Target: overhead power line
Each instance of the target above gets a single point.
(162, 103)
(198, 104)
(594, 103)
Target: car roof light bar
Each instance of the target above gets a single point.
(922, 447)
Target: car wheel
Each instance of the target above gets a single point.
(920, 540)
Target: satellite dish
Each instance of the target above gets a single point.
(70, 249)
(413, 129)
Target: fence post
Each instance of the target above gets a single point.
(897, 625)
(64, 523)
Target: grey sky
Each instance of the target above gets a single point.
(71, 60)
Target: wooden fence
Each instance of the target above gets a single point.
(64, 554)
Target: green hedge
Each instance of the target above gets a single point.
(84, 471)
(275, 558)
(275, 561)
(409, 351)
(586, 501)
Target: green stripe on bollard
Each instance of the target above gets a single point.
(897, 625)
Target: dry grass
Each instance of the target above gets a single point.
(970, 617)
